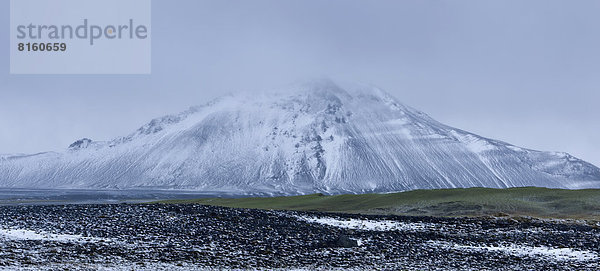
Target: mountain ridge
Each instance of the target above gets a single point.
(319, 136)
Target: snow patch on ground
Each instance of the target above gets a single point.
(558, 254)
(365, 224)
(21, 234)
(153, 267)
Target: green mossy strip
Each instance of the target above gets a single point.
(521, 201)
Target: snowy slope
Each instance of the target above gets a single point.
(315, 137)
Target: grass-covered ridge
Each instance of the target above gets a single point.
(522, 201)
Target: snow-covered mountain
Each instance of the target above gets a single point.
(314, 137)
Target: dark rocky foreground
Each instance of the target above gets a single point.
(129, 236)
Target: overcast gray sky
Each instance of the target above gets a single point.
(525, 72)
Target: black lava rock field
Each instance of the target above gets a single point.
(198, 237)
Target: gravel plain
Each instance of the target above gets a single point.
(196, 237)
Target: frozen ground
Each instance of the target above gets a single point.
(196, 237)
